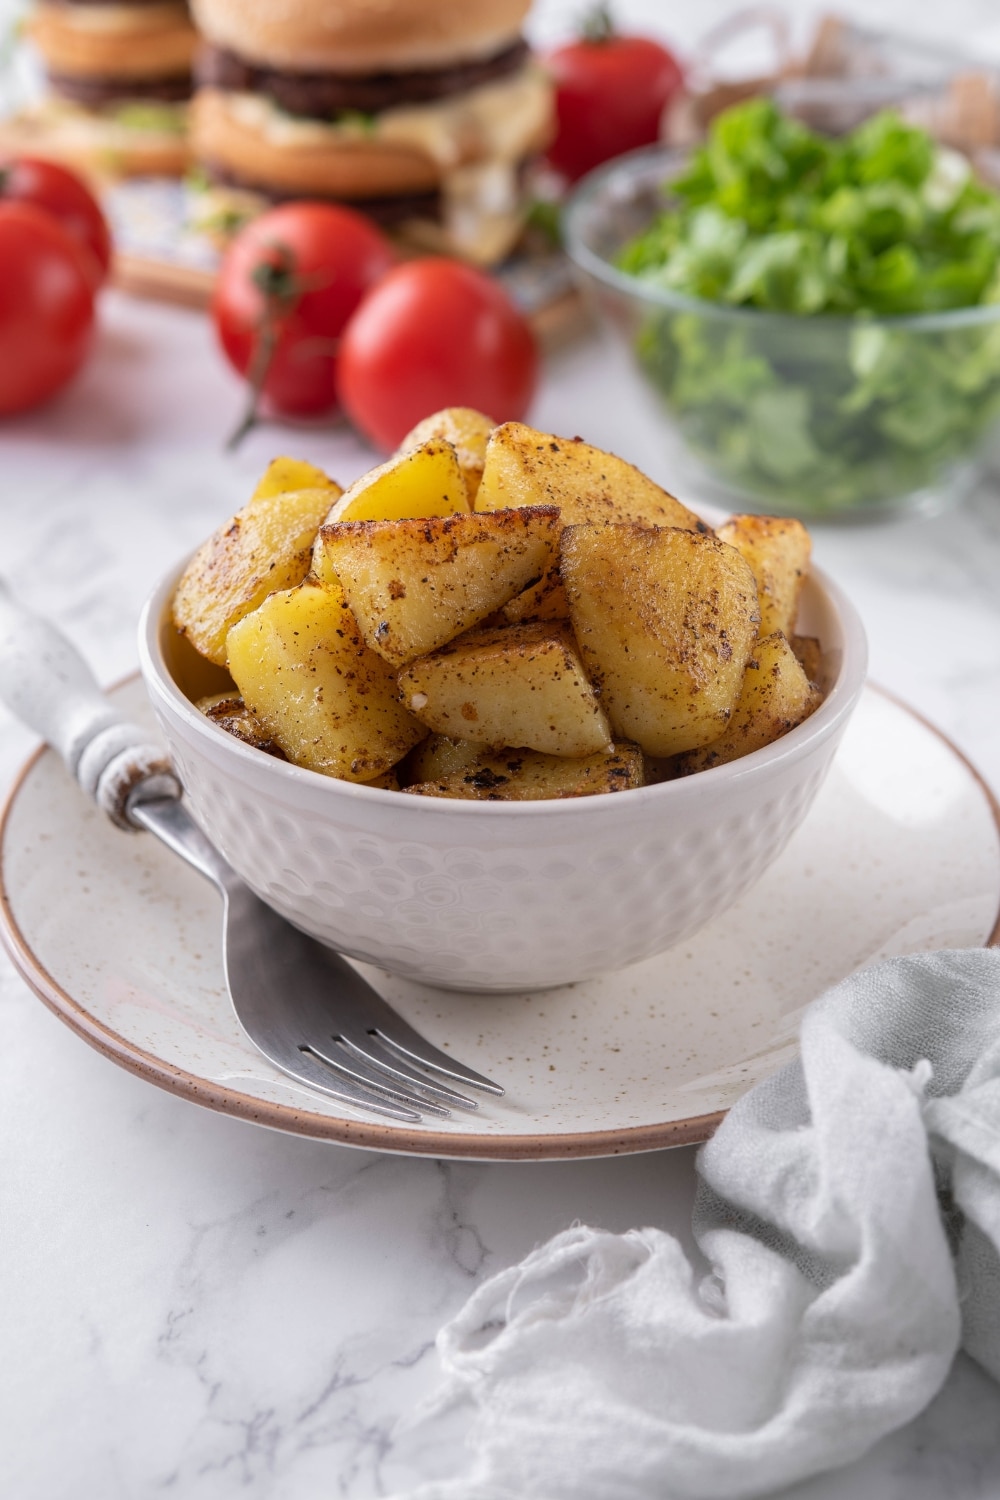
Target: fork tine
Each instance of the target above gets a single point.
(369, 1046)
(356, 1067)
(411, 1045)
(313, 1071)
(290, 992)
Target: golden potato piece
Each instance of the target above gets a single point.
(232, 715)
(810, 653)
(414, 585)
(666, 621)
(544, 600)
(527, 776)
(265, 547)
(659, 768)
(522, 686)
(525, 467)
(285, 474)
(777, 549)
(438, 756)
(424, 482)
(776, 695)
(331, 704)
(388, 781)
(468, 433)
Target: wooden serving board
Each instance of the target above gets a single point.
(161, 280)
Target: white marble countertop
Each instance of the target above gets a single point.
(197, 1305)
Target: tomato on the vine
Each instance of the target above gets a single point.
(610, 93)
(46, 306)
(57, 191)
(288, 283)
(434, 333)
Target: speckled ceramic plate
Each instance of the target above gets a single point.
(900, 853)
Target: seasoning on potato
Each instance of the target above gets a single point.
(666, 621)
(415, 585)
(521, 685)
(499, 614)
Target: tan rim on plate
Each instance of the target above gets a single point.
(374, 1136)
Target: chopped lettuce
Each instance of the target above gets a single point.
(847, 410)
(150, 114)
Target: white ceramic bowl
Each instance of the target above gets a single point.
(498, 896)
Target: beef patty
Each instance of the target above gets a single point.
(92, 93)
(324, 96)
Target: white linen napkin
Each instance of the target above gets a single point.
(849, 1213)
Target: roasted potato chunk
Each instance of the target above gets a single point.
(544, 600)
(303, 669)
(527, 776)
(467, 431)
(777, 549)
(426, 481)
(283, 475)
(522, 686)
(232, 715)
(775, 696)
(438, 756)
(387, 782)
(660, 768)
(525, 467)
(265, 547)
(810, 653)
(666, 621)
(414, 585)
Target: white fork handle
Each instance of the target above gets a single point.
(46, 683)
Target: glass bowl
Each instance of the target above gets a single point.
(824, 417)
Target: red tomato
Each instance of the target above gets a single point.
(434, 333)
(289, 282)
(610, 93)
(46, 306)
(50, 187)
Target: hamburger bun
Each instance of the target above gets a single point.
(111, 42)
(360, 36)
(297, 159)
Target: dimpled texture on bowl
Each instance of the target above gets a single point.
(500, 896)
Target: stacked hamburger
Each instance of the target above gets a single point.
(118, 75)
(422, 113)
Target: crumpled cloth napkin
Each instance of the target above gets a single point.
(848, 1210)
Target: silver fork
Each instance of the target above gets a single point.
(301, 1004)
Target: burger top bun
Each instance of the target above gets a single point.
(360, 36)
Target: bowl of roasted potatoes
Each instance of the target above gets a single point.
(504, 713)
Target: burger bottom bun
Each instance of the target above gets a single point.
(150, 41)
(319, 165)
(99, 146)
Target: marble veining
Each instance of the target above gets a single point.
(201, 1308)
